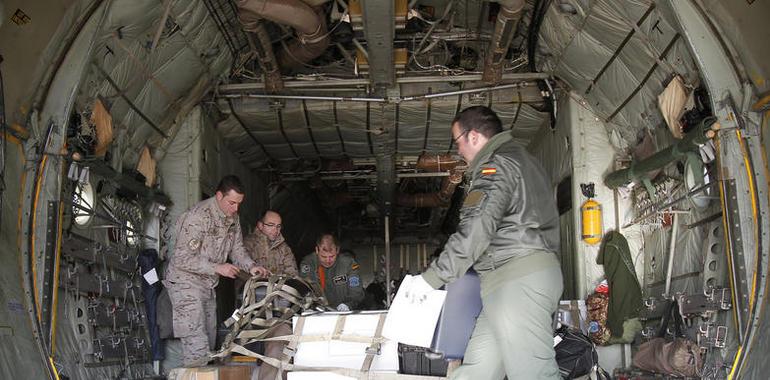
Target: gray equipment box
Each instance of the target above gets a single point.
(458, 317)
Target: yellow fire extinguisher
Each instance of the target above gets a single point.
(591, 213)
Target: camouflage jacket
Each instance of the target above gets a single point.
(340, 284)
(275, 256)
(205, 237)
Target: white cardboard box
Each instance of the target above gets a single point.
(336, 353)
(317, 376)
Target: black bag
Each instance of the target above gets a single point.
(413, 360)
(576, 354)
(165, 316)
(148, 260)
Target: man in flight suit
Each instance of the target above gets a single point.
(267, 246)
(337, 275)
(206, 235)
(509, 233)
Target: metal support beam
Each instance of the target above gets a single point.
(741, 166)
(386, 182)
(379, 25)
(395, 100)
(53, 108)
(342, 177)
(319, 83)
(387, 261)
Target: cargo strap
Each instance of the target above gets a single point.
(258, 319)
(376, 345)
(574, 309)
(349, 372)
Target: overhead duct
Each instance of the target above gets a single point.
(438, 162)
(505, 27)
(309, 23)
(265, 56)
(440, 198)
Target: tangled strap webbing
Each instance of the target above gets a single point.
(260, 315)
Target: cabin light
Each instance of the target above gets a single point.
(82, 202)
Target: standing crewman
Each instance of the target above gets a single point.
(509, 232)
(336, 275)
(206, 235)
(266, 245)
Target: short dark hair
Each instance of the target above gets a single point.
(262, 214)
(325, 235)
(480, 119)
(230, 182)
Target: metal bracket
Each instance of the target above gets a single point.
(478, 98)
(649, 303)
(119, 347)
(374, 349)
(705, 304)
(648, 332)
(711, 335)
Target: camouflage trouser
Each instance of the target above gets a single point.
(513, 336)
(274, 349)
(195, 319)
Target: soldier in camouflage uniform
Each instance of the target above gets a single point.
(267, 246)
(336, 275)
(206, 235)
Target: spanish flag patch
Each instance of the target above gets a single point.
(354, 266)
(488, 171)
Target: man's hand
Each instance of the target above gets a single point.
(227, 270)
(259, 271)
(343, 307)
(418, 290)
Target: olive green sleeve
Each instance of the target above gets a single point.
(487, 202)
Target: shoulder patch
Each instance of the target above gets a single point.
(488, 171)
(474, 198)
(305, 268)
(354, 281)
(194, 244)
(355, 266)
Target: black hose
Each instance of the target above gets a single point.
(533, 36)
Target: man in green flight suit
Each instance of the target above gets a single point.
(336, 275)
(509, 233)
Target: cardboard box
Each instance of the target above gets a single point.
(343, 354)
(226, 372)
(235, 372)
(318, 376)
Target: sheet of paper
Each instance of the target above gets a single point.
(413, 323)
(151, 276)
